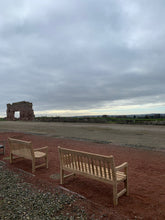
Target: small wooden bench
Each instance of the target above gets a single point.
(94, 166)
(24, 149)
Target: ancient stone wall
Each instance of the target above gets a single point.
(25, 109)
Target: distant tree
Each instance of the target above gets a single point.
(105, 116)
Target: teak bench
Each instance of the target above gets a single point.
(24, 149)
(94, 166)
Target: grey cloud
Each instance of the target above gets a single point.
(81, 55)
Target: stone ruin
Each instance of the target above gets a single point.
(25, 109)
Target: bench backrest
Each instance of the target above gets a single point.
(21, 148)
(91, 164)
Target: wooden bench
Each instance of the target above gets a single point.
(24, 149)
(94, 166)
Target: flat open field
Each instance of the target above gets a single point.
(145, 156)
(141, 136)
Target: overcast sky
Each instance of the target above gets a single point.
(76, 57)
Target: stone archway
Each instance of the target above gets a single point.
(25, 109)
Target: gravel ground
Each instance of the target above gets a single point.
(21, 200)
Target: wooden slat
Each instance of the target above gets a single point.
(109, 168)
(123, 191)
(100, 168)
(92, 164)
(64, 158)
(97, 168)
(72, 161)
(104, 168)
(69, 161)
(75, 161)
(78, 160)
(85, 161)
(89, 164)
(82, 164)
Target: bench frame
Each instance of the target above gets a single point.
(94, 166)
(2, 146)
(24, 149)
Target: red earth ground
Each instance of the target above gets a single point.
(146, 177)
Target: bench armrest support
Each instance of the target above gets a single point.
(41, 148)
(122, 166)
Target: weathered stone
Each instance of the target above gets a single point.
(25, 109)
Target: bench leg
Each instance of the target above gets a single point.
(3, 147)
(126, 181)
(46, 158)
(61, 176)
(11, 157)
(126, 186)
(115, 198)
(33, 166)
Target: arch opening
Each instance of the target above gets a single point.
(17, 114)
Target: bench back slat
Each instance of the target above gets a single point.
(91, 164)
(109, 173)
(105, 174)
(100, 167)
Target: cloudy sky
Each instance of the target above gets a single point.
(81, 57)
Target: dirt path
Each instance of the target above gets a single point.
(146, 167)
(141, 136)
(146, 177)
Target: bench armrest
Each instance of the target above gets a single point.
(123, 165)
(42, 148)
